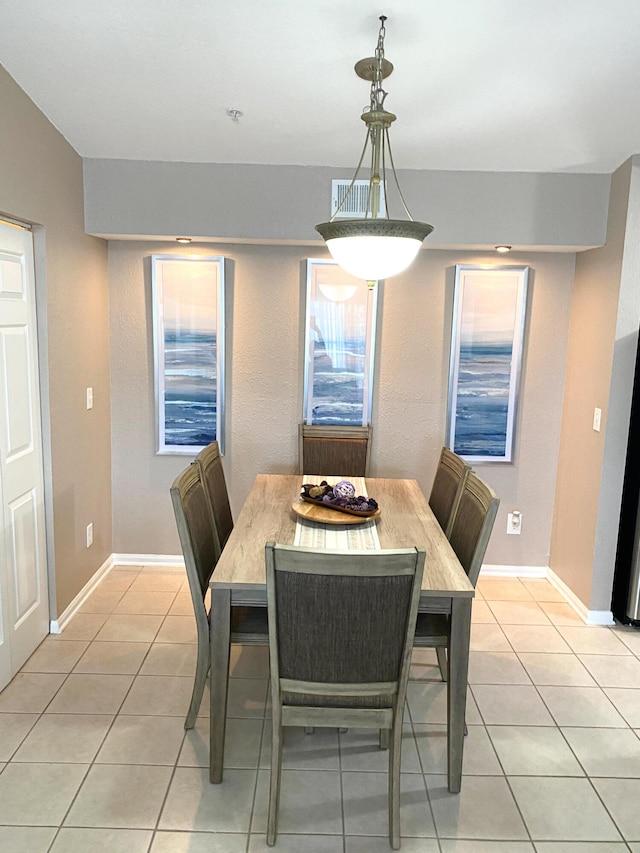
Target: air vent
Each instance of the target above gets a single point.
(356, 204)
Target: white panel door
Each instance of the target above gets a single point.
(24, 606)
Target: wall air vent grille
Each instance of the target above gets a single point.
(356, 205)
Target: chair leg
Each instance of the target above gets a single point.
(199, 681)
(441, 653)
(384, 738)
(276, 771)
(394, 784)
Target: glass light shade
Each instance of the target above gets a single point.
(338, 292)
(374, 249)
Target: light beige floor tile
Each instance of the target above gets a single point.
(13, 730)
(424, 657)
(535, 638)
(621, 797)
(483, 809)
(62, 738)
(418, 672)
(542, 590)
(125, 628)
(581, 706)
(145, 602)
(178, 629)
(479, 756)
(519, 613)
(241, 744)
(366, 805)
(113, 658)
(249, 662)
(38, 794)
(613, 670)
(52, 656)
(83, 626)
(156, 581)
(427, 703)
(581, 847)
(511, 705)
(127, 796)
(534, 751)
(310, 802)
(373, 844)
(194, 804)
(560, 669)
(593, 640)
(317, 751)
(503, 589)
(91, 694)
(606, 752)
(201, 842)
(247, 697)
(627, 701)
(629, 636)
(562, 809)
(561, 614)
(143, 740)
(170, 659)
(120, 580)
(496, 668)
(481, 612)
(163, 695)
(360, 750)
(182, 605)
(299, 843)
(464, 846)
(34, 839)
(30, 692)
(76, 840)
(487, 637)
(102, 601)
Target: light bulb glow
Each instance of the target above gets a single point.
(374, 258)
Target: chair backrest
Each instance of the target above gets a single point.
(446, 491)
(334, 450)
(194, 528)
(329, 634)
(473, 524)
(209, 462)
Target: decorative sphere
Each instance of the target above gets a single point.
(344, 489)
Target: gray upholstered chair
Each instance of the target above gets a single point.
(209, 462)
(337, 657)
(200, 548)
(446, 491)
(469, 538)
(334, 450)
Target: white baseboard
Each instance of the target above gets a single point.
(590, 617)
(56, 626)
(513, 571)
(173, 560)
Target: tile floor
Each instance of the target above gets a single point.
(93, 754)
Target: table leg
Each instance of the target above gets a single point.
(457, 688)
(220, 636)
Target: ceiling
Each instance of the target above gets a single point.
(497, 85)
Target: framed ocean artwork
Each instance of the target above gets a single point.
(339, 346)
(486, 353)
(188, 331)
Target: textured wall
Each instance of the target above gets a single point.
(264, 387)
(41, 183)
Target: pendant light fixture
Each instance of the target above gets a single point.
(376, 246)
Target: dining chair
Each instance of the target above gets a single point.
(334, 450)
(337, 658)
(199, 543)
(209, 462)
(469, 537)
(448, 483)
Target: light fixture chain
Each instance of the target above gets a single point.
(378, 94)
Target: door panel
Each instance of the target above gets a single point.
(24, 609)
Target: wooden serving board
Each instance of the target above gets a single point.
(323, 514)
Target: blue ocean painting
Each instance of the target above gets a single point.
(482, 401)
(190, 387)
(338, 381)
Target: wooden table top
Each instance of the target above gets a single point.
(406, 522)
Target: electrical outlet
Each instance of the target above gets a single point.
(89, 398)
(89, 535)
(514, 522)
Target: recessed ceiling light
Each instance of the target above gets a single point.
(183, 239)
(503, 249)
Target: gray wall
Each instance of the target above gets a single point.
(262, 203)
(264, 390)
(41, 183)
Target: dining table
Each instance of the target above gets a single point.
(405, 521)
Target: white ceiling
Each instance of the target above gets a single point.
(508, 85)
